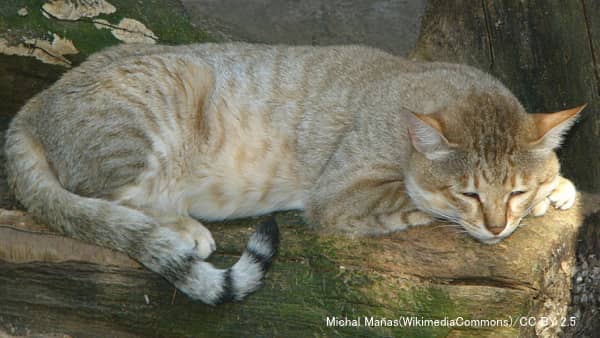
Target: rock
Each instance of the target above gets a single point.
(386, 24)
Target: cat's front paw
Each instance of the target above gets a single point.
(402, 219)
(541, 208)
(563, 196)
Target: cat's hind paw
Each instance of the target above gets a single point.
(563, 196)
(204, 243)
(193, 232)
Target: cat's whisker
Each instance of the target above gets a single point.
(455, 228)
(443, 217)
(447, 226)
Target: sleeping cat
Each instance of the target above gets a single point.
(136, 145)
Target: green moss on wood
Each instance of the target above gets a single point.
(21, 77)
(166, 18)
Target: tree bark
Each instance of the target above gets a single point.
(546, 52)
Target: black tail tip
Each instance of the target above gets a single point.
(262, 247)
(264, 244)
(270, 229)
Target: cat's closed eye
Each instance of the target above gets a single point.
(517, 192)
(472, 195)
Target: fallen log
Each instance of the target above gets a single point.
(53, 284)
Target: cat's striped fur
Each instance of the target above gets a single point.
(131, 148)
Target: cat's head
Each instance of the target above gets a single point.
(483, 163)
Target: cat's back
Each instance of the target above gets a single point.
(274, 68)
(329, 58)
(427, 87)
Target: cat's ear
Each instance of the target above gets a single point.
(552, 127)
(427, 136)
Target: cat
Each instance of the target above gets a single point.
(133, 147)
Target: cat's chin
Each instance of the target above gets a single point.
(491, 241)
(487, 239)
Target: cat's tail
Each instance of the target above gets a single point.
(243, 277)
(109, 224)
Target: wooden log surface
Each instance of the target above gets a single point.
(52, 284)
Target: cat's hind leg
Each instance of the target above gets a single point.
(177, 248)
(191, 233)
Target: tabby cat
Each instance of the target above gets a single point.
(136, 145)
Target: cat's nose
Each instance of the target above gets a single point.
(496, 230)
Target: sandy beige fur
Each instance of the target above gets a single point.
(135, 146)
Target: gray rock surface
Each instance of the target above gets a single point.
(392, 25)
